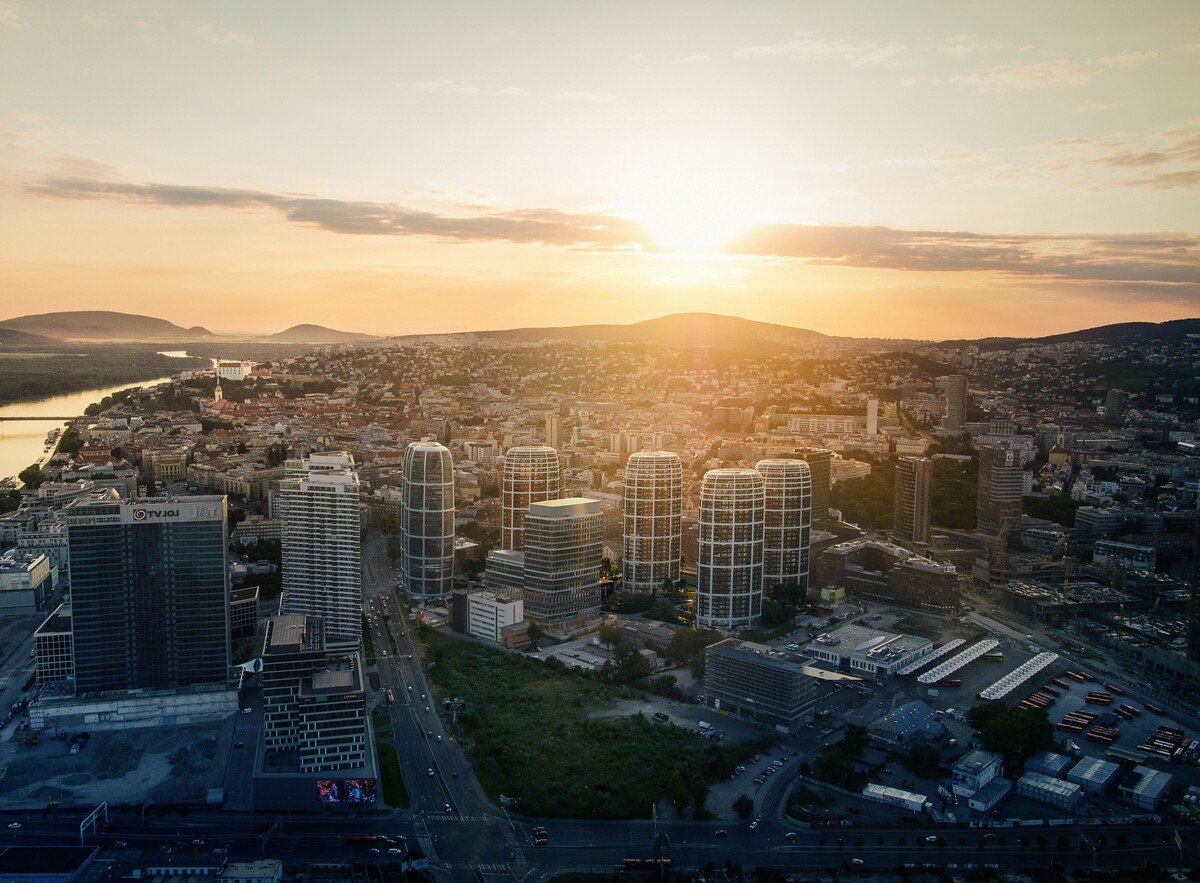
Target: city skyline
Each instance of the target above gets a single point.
(468, 168)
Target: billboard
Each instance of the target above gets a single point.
(346, 790)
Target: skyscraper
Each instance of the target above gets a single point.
(872, 416)
(1114, 406)
(427, 521)
(553, 431)
(956, 403)
(322, 547)
(787, 501)
(914, 488)
(821, 470)
(729, 561)
(564, 546)
(652, 521)
(531, 474)
(1002, 486)
(150, 591)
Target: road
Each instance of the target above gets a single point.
(474, 839)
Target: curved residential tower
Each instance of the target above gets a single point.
(787, 491)
(531, 475)
(729, 563)
(652, 520)
(427, 521)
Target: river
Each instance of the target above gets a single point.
(24, 441)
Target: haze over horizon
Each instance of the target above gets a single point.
(911, 170)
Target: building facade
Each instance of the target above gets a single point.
(787, 522)
(531, 474)
(149, 592)
(318, 500)
(54, 648)
(652, 522)
(1002, 486)
(914, 490)
(488, 614)
(956, 403)
(314, 701)
(427, 521)
(729, 561)
(564, 547)
(820, 467)
(744, 680)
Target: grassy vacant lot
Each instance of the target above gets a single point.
(394, 792)
(529, 736)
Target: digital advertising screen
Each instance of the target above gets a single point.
(329, 790)
(358, 790)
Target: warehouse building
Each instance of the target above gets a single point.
(1045, 789)
(868, 651)
(1146, 787)
(1095, 776)
(1048, 763)
(906, 726)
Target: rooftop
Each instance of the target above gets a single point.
(567, 507)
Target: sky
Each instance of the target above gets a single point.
(880, 169)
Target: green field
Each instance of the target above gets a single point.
(394, 792)
(530, 735)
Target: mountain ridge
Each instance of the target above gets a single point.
(102, 325)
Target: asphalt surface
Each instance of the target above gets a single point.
(475, 839)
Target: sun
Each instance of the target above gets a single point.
(694, 198)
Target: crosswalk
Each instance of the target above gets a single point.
(423, 838)
(494, 867)
(454, 817)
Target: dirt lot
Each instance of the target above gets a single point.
(162, 764)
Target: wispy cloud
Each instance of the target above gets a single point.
(1050, 72)
(594, 97)
(357, 217)
(809, 46)
(1177, 180)
(10, 16)
(215, 34)
(1190, 47)
(455, 87)
(1168, 259)
(1158, 259)
(1094, 105)
(959, 44)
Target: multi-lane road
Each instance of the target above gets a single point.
(467, 837)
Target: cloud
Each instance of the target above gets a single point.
(1050, 72)
(960, 44)
(1156, 259)
(594, 97)
(10, 16)
(1190, 47)
(1134, 160)
(1177, 180)
(1168, 259)
(454, 87)
(216, 35)
(810, 46)
(1094, 105)
(356, 217)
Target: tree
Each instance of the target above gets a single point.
(31, 476)
(743, 806)
(630, 665)
(610, 633)
(1015, 733)
(855, 740)
(924, 762)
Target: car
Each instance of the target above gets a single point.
(454, 775)
(741, 769)
(197, 842)
(429, 733)
(239, 744)
(247, 710)
(14, 824)
(753, 825)
(120, 844)
(449, 808)
(422, 695)
(720, 832)
(989, 836)
(427, 708)
(759, 817)
(932, 838)
(392, 850)
(429, 772)
(857, 861)
(374, 850)
(439, 738)
(790, 835)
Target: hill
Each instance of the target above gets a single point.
(1121, 333)
(317, 334)
(10, 338)
(102, 325)
(677, 330)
